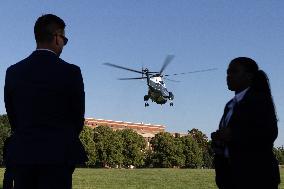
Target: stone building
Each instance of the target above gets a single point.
(148, 130)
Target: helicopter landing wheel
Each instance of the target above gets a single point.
(146, 97)
(146, 104)
(171, 104)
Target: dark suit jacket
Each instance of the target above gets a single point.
(254, 129)
(45, 99)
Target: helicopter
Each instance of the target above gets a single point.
(157, 90)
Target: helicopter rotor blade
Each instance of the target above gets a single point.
(153, 72)
(121, 67)
(171, 80)
(197, 71)
(168, 59)
(132, 78)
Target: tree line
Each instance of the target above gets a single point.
(125, 148)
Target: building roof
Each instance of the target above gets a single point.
(142, 128)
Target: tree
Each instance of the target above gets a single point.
(148, 158)
(279, 153)
(205, 146)
(86, 137)
(199, 137)
(167, 151)
(133, 148)
(116, 150)
(108, 146)
(179, 158)
(5, 131)
(193, 153)
(208, 155)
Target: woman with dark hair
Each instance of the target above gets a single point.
(243, 143)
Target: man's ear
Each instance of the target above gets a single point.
(56, 42)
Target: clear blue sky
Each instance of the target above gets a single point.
(201, 34)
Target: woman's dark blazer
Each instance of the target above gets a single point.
(254, 130)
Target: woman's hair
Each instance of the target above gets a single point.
(260, 81)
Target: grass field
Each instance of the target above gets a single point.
(144, 178)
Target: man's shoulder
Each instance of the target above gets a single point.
(17, 65)
(67, 65)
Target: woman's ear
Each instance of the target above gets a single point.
(250, 77)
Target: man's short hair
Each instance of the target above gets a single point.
(46, 26)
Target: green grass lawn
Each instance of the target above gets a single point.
(145, 178)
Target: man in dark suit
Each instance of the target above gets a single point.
(8, 179)
(45, 103)
(243, 143)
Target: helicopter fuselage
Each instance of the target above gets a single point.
(157, 91)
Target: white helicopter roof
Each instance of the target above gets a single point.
(157, 79)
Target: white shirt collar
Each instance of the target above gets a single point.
(45, 50)
(238, 97)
